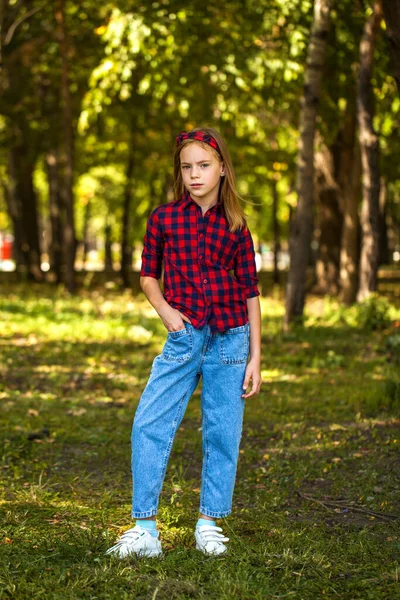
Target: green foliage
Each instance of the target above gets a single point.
(330, 359)
(103, 188)
(140, 73)
(392, 343)
(392, 393)
(374, 313)
(385, 398)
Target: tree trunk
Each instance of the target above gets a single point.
(369, 145)
(393, 231)
(126, 245)
(108, 265)
(349, 180)
(3, 7)
(57, 264)
(276, 231)
(7, 15)
(329, 222)
(24, 204)
(85, 235)
(303, 222)
(391, 12)
(68, 135)
(15, 212)
(384, 258)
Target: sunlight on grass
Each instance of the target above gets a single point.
(317, 490)
(269, 375)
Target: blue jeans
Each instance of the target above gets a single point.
(221, 359)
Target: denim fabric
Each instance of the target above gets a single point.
(220, 359)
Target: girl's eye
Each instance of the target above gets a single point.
(184, 167)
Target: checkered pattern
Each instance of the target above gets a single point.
(200, 136)
(199, 254)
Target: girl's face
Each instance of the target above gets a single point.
(201, 172)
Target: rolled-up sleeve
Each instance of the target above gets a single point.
(153, 246)
(245, 265)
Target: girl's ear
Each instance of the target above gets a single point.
(222, 170)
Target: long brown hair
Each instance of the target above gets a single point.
(228, 195)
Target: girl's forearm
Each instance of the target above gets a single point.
(153, 293)
(254, 312)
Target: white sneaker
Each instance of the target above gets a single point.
(209, 541)
(137, 541)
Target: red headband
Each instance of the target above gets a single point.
(199, 136)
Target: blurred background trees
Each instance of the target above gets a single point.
(94, 93)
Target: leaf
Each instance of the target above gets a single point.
(337, 427)
(77, 412)
(32, 412)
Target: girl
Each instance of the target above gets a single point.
(213, 321)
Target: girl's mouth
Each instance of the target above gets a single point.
(196, 185)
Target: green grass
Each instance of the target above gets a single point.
(318, 477)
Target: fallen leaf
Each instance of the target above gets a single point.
(32, 412)
(337, 427)
(76, 412)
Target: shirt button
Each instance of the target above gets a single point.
(201, 235)
(208, 303)
(200, 256)
(205, 280)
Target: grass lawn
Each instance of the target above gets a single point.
(318, 484)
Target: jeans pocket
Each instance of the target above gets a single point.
(234, 345)
(178, 346)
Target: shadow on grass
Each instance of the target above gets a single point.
(316, 482)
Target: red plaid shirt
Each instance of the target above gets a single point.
(198, 253)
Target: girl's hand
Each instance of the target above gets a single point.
(173, 319)
(253, 373)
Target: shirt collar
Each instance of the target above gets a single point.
(187, 200)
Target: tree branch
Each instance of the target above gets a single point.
(18, 22)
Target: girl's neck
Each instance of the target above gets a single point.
(205, 204)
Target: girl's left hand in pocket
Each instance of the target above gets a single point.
(253, 374)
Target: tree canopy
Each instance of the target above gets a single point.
(140, 73)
